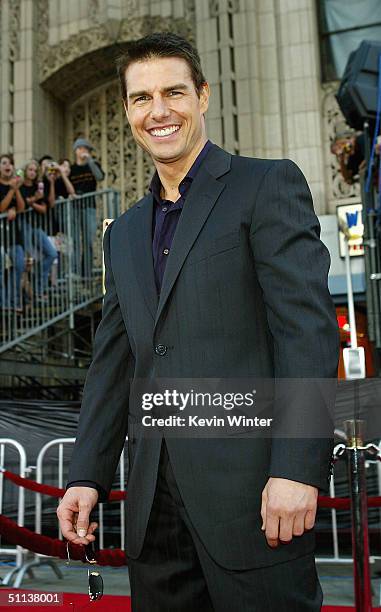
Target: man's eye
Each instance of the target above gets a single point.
(174, 93)
(141, 99)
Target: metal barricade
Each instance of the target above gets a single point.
(25, 566)
(8, 444)
(51, 264)
(59, 444)
(336, 556)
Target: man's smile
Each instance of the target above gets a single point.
(164, 132)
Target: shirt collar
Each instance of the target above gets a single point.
(155, 185)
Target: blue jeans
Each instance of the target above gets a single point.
(37, 243)
(10, 292)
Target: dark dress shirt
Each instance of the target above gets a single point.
(167, 215)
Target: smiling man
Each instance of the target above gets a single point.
(206, 278)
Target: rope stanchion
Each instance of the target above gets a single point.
(53, 547)
(56, 492)
(344, 503)
(338, 503)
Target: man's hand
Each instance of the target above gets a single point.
(288, 509)
(73, 513)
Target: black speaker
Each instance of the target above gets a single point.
(357, 95)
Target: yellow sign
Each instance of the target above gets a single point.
(106, 223)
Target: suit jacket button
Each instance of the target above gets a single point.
(161, 349)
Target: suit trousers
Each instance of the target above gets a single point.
(174, 572)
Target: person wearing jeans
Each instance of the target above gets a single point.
(10, 293)
(36, 239)
(11, 203)
(85, 173)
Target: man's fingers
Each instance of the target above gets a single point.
(78, 540)
(272, 529)
(286, 527)
(263, 510)
(309, 520)
(67, 529)
(298, 528)
(83, 520)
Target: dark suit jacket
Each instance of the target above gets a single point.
(244, 294)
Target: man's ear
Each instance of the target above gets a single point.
(204, 97)
(126, 109)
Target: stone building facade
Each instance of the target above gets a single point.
(261, 58)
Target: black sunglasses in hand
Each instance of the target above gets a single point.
(95, 580)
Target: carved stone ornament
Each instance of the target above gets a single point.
(100, 117)
(14, 29)
(333, 119)
(215, 7)
(80, 72)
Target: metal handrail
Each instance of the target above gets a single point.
(61, 258)
(4, 442)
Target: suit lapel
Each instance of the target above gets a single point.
(199, 202)
(140, 238)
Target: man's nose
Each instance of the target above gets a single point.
(159, 108)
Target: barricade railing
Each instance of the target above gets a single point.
(46, 548)
(59, 444)
(6, 445)
(51, 264)
(339, 503)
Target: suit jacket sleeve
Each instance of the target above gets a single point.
(292, 266)
(103, 419)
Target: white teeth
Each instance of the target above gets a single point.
(165, 131)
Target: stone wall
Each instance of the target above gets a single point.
(261, 58)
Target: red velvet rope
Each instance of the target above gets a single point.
(53, 547)
(339, 503)
(38, 487)
(344, 503)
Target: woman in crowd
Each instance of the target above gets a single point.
(11, 241)
(36, 238)
(57, 186)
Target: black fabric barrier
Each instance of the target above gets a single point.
(33, 423)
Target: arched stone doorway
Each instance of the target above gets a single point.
(99, 116)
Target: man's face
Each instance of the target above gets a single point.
(163, 108)
(6, 168)
(82, 152)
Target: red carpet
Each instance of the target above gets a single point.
(76, 602)
(72, 602)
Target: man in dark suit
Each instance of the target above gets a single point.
(217, 273)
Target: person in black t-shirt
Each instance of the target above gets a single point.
(85, 173)
(57, 185)
(36, 238)
(11, 242)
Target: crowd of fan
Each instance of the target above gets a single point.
(36, 188)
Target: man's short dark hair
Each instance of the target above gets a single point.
(8, 156)
(160, 44)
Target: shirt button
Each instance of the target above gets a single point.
(161, 349)
(164, 209)
(166, 251)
